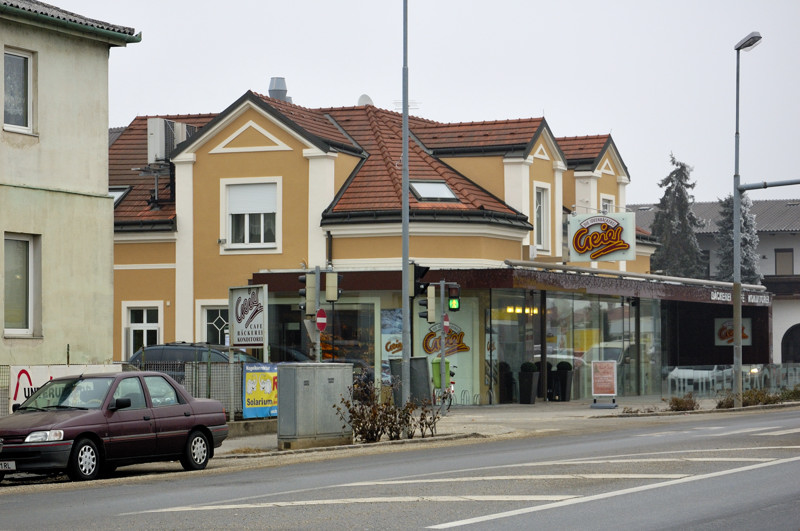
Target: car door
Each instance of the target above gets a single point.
(172, 413)
(131, 430)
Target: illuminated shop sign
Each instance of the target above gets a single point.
(604, 237)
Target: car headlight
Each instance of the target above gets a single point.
(44, 436)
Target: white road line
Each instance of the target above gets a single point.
(526, 477)
(351, 501)
(747, 430)
(784, 432)
(612, 494)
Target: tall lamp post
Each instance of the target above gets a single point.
(748, 43)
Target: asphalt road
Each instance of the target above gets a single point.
(698, 472)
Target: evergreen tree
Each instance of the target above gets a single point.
(751, 273)
(679, 254)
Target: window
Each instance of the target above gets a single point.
(607, 205)
(21, 281)
(432, 191)
(161, 392)
(784, 261)
(252, 210)
(131, 388)
(541, 219)
(18, 85)
(143, 327)
(216, 325)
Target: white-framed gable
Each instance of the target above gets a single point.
(187, 154)
(548, 150)
(271, 142)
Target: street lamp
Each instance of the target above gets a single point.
(748, 43)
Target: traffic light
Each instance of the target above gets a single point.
(332, 290)
(454, 298)
(430, 304)
(308, 294)
(417, 287)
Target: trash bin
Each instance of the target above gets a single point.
(437, 372)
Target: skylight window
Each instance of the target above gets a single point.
(118, 192)
(432, 191)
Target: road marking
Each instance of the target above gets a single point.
(661, 460)
(746, 430)
(784, 432)
(527, 477)
(352, 501)
(606, 495)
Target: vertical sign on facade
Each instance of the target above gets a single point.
(247, 308)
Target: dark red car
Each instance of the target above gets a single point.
(94, 423)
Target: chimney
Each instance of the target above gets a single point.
(277, 89)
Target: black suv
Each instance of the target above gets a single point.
(171, 357)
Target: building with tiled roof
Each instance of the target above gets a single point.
(268, 190)
(56, 213)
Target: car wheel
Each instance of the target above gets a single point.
(197, 452)
(84, 462)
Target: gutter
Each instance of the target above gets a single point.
(114, 37)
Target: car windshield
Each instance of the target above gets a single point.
(79, 392)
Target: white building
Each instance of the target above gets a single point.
(55, 212)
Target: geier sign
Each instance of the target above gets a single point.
(606, 237)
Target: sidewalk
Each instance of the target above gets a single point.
(492, 421)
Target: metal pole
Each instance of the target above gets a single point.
(442, 338)
(405, 377)
(737, 261)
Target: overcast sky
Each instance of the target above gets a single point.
(658, 75)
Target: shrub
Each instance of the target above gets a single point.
(687, 403)
(789, 395)
(751, 397)
(371, 418)
(564, 366)
(529, 366)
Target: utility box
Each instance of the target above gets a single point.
(307, 394)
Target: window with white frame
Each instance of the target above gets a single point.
(143, 328)
(19, 276)
(541, 218)
(18, 91)
(216, 325)
(607, 205)
(251, 214)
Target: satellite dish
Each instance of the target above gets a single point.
(365, 100)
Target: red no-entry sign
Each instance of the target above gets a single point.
(446, 323)
(322, 319)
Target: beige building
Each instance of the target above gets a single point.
(55, 211)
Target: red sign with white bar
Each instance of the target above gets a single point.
(322, 319)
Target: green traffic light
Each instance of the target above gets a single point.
(454, 304)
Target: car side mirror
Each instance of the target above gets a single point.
(15, 407)
(121, 403)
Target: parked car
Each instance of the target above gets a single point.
(91, 424)
(171, 357)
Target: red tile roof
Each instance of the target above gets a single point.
(129, 151)
(583, 148)
(501, 134)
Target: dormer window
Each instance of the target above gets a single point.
(432, 191)
(118, 192)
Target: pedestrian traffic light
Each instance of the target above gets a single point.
(454, 298)
(308, 294)
(332, 290)
(430, 303)
(418, 287)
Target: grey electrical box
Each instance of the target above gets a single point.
(307, 394)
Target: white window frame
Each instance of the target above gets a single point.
(541, 216)
(128, 327)
(34, 284)
(27, 128)
(201, 316)
(611, 200)
(227, 247)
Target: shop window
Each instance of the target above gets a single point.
(18, 91)
(22, 284)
